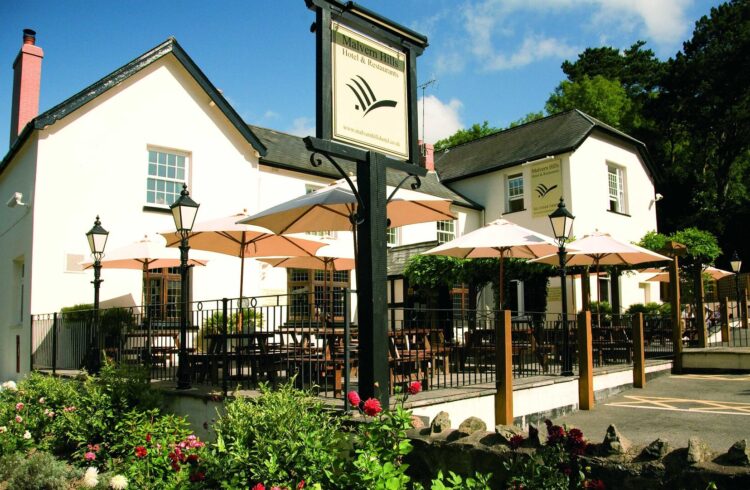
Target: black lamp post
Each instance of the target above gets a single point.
(736, 264)
(562, 224)
(97, 238)
(184, 210)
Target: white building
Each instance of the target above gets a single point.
(122, 147)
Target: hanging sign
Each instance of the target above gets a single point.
(370, 93)
(546, 187)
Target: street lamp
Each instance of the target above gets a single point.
(736, 264)
(562, 224)
(184, 210)
(97, 238)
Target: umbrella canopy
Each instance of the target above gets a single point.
(337, 255)
(500, 238)
(330, 209)
(714, 272)
(602, 249)
(226, 236)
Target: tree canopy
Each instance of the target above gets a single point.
(465, 135)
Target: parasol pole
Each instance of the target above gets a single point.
(242, 281)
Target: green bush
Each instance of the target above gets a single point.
(280, 438)
(37, 471)
(251, 320)
(649, 309)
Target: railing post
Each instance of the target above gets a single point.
(54, 344)
(743, 310)
(586, 362)
(504, 370)
(639, 357)
(674, 283)
(700, 310)
(347, 345)
(224, 353)
(724, 320)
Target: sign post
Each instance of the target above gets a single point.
(367, 113)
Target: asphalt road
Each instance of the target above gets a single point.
(715, 408)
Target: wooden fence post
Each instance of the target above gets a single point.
(504, 371)
(639, 358)
(586, 362)
(724, 320)
(743, 309)
(674, 285)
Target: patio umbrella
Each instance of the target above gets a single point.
(500, 238)
(145, 254)
(602, 249)
(335, 256)
(713, 272)
(331, 208)
(226, 236)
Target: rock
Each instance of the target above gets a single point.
(472, 425)
(534, 440)
(614, 442)
(506, 432)
(739, 453)
(656, 450)
(417, 422)
(441, 423)
(697, 451)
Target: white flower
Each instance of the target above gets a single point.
(27, 435)
(9, 385)
(91, 477)
(41, 401)
(3, 429)
(118, 482)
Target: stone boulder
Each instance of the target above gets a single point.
(697, 451)
(739, 453)
(614, 442)
(506, 432)
(656, 450)
(472, 425)
(441, 423)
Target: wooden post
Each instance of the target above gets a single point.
(585, 289)
(700, 310)
(743, 310)
(724, 308)
(586, 363)
(504, 370)
(639, 358)
(674, 282)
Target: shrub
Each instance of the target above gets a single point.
(36, 471)
(649, 309)
(280, 438)
(251, 320)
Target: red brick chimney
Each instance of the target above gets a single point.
(427, 158)
(27, 77)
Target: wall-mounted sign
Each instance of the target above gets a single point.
(546, 187)
(370, 93)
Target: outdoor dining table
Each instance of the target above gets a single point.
(241, 347)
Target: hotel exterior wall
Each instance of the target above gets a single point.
(15, 248)
(95, 161)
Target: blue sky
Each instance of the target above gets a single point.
(493, 60)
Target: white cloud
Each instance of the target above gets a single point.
(664, 22)
(534, 48)
(302, 126)
(441, 119)
(269, 114)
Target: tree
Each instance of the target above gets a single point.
(530, 117)
(598, 96)
(465, 135)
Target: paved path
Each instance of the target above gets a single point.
(714, 407)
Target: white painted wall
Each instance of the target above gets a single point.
(15, 249)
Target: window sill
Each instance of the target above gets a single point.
(157, 209)
(617, 212)
(513, 212)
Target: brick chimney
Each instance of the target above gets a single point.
(427, 157)
(27, 77)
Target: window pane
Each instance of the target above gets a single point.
(180, 174)
(162, 158)
(152, 169)
(171, 159)
(162, 171)
(180, 161)
(171, 172)
(150, 197)
(152, 156)
(160, 184)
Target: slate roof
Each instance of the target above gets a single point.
(397, 256)
(552, 135)
(289, 152)
(120, 75)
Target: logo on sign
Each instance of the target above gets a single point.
(543, 190)
(366, 97)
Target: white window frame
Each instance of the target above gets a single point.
(518, 197)
(393, 236)
(446, 230)
(616, 188)
(172, 185)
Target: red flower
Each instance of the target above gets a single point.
(192, 459)
(594, 484)
(175, 466)
(148, 437)
(259, 486)
(515, 441)
(556, 434)
(414, 387)
(354, 398)
(301, 485)
(141, 451)
(575, 434)
(197, 476)
(372, 407)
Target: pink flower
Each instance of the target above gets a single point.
(259, 486)
(414, 387)
(354, 398)
(19, 419)
(372, 407)
(19, 406)
(275, 488)
(69, 409)
(301, 485)
(89, 456)
(50, 414)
